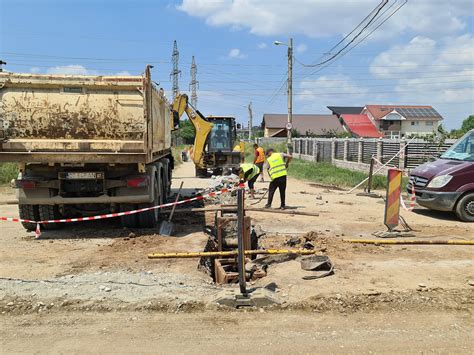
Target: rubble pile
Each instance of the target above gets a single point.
(219, 182)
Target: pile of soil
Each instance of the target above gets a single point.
(324, 244)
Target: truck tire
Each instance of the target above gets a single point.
(130, 220)
(201, 173)
(465, 208)
(166, 176)
(48, 212)
(149, 219)
(29, 212)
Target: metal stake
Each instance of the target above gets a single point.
(371, 172)
(240, 241)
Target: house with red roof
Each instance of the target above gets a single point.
(396, 121)
(360, 126)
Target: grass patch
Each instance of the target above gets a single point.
(8, 171)
(328, 174)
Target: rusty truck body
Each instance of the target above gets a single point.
(86, 145)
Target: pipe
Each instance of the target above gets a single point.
(230, 253)
(413, 242)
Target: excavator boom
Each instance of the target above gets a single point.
(201, 126)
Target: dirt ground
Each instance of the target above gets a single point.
(95, 278)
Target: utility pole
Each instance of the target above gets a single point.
(193, 84)
(290, 96)
(175, 72)
(2, 63)
(250, 120)
(289, 124)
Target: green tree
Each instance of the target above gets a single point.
(186, 131)
(467, 124)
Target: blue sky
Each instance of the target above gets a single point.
(424, 54)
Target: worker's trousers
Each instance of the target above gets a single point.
(278, 183)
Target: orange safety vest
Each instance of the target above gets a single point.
(261, 155)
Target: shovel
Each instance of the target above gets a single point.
(166, 227)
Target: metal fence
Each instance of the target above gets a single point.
(411, 153)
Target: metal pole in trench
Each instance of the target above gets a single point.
(240, 241)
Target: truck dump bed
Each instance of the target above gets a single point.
(82, 119)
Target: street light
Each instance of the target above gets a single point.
(289, 125)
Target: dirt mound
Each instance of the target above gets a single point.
(323, 243)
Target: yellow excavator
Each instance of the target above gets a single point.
(214, 140)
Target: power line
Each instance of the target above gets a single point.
(378, 9)
(373, 30)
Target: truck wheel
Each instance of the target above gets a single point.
(465, 208)
(48, 212)
(130, 220)
(29, 212)
(201, 172)
(166, 176)
(149, 219)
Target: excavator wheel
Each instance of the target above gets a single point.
(202, 173)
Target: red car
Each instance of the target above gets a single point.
(447, 184)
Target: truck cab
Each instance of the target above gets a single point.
(447, 184)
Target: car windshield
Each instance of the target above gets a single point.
(463, 149)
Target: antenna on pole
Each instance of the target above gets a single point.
(193, 84)
(250, 120)
(175, 72)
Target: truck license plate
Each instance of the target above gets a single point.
(82, 176)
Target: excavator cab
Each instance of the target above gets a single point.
(219, 154)
(223, 134)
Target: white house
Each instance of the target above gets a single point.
(401, 120)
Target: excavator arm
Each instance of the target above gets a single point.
(201, 126)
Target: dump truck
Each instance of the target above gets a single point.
(215, 137)
(87, 145)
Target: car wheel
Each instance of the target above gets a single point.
(465, 208)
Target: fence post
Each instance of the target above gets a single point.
(333, 150)
(402, 156)
(306, 145)
(293, 141)
(379, 149)
(346, 149)
(315, 150)
(360, 151)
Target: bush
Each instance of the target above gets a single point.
(8, 171)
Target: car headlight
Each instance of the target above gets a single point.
(439, 181)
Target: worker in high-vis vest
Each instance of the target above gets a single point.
(277, 164)
(249, 172)
(259, 159)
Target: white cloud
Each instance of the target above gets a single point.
(35, 70)
(300, 48)
(316, 94)
(429, 72)
(236, 54)
(262, 45)
(321, 18)
(73, 69)
(123, 73)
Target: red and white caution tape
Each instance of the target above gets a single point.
(116, 214)
(412, 200)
